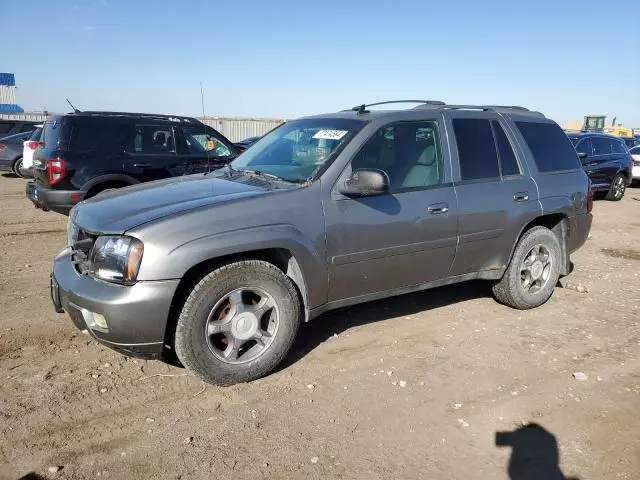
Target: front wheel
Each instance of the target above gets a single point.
(617, 188)
(238, 322)
(533, 272)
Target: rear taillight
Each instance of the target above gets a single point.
(56, 170)
(32, 144)
(1, 146)
(589, 198)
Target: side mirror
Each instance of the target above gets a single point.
(582, 155)
(365, 183)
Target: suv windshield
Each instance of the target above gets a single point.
(296, 150)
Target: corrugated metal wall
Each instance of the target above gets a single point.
(32, 116)
(7, 94)
(236, 129)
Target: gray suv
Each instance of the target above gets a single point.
(219, 269)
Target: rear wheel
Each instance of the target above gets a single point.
(238, 322)
(617, 188)
(17, 165)
(533, 272)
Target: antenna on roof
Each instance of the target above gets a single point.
(75, 110)
(206, 138)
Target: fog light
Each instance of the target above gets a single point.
(94, 320)
(100, 321)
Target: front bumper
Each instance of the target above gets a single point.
(60, 201)
(6, 165)
(136, 315)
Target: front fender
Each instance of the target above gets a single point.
(173, 264)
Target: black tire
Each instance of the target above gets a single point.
(510, 291)
(17, 165)
(617, 188)
(192, 344)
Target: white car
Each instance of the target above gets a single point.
(635, 154)
(28, 147)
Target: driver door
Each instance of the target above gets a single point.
(401, 239)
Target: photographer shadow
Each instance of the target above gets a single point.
(534, 454)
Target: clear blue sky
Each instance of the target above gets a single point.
(282, 58)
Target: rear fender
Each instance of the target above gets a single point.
(110, 177)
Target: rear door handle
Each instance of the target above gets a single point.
(438, 208)
(521, 197)
(142, 165)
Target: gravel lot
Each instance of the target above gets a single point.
(412, 387)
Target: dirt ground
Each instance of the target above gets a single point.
(412, 387)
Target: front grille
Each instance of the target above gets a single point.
(81, 243)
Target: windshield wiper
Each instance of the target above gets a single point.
(271, 176)
(260, 174)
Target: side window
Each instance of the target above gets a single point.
(619, 146)
(409, 153)
(635, 150)
(508, 161)
(98, 137)
(476, 149)
(601, 146)
(27, 127)
(199, 142)
(551, 148)
(154, 139)
(584, 146)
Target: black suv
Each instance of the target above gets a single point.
(607, 161)
(85, 153)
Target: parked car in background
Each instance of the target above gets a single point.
(324, 212)
(607, 161)
(246, 143)
(11, 150)
(85, 153)
(29, 147)
(13, 127)
(635, 155)
(630, 142)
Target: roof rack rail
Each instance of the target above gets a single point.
(363, 108)
(484, 108)
(440, 105)
(182, 118)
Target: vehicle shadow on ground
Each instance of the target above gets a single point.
(32, 476)
(9, 175)
(325, 326)
(534, 453)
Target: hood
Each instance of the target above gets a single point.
(121, 210)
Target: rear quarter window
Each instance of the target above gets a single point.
(551, 148)
(96, 137)
(51, 132)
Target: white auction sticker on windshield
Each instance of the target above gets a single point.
(330, 134)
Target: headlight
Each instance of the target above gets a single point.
(116, 259)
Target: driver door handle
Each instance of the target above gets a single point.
(438, 208)
(142, 165)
